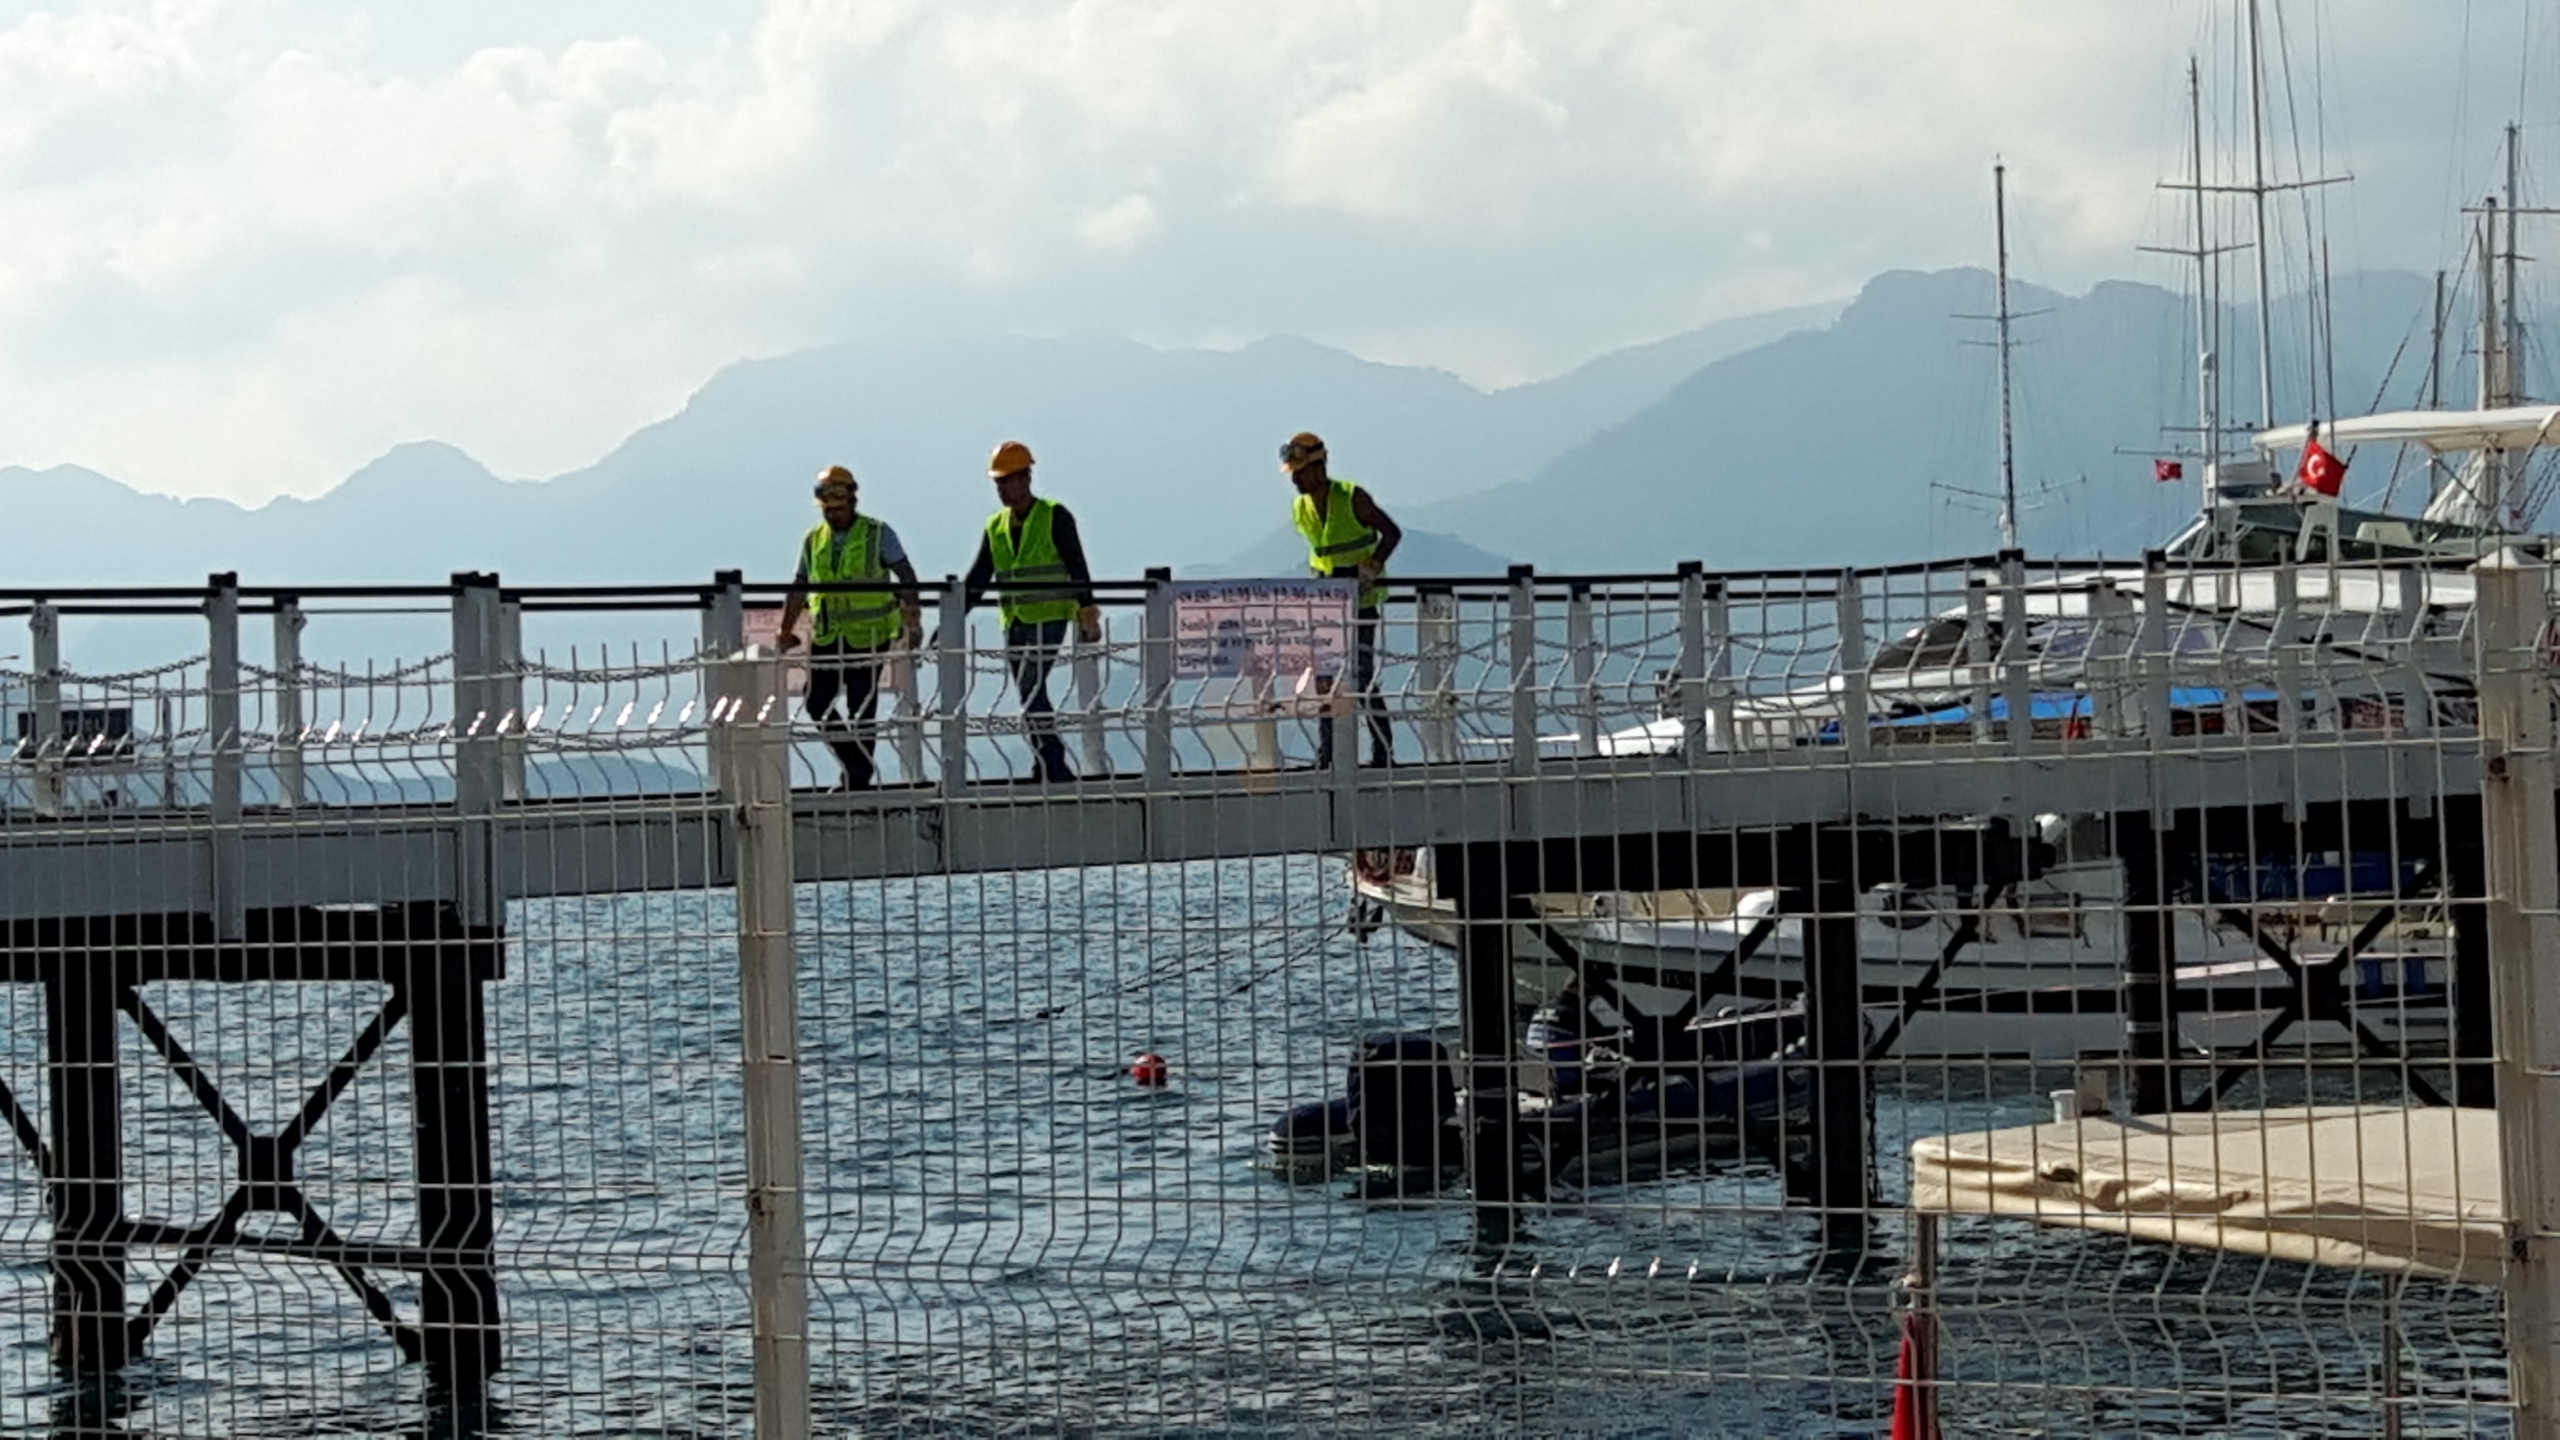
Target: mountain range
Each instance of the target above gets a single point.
(1825, 435)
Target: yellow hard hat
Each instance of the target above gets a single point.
(1011, 457)
(1303, 450)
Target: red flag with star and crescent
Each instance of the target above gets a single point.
(2320, 472)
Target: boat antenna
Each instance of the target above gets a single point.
(2008, 445)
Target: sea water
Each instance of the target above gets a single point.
(1009, 1237)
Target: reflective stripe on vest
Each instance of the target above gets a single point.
(1336, 540)
(1039, 589)
(859, 618)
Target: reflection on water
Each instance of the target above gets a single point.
(1008, 1237)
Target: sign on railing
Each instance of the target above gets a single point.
(1248, 629)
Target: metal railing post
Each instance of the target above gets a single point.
(1155, 668)
(951, 688)
(1688, 689)
(2158, 664)
(222, 728)
(476, 772)
(1850, 618)
(2518, 777)
(1436, 673)
(291, 723)
(724, 634)
(1521, 652)
(1978, 656)
(2417, 698)
(756, 736)
(1583, 645)
(2014, 650)
(1086, 674)
(44, 735)
(2282, 651)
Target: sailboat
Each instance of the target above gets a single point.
(2036, 969)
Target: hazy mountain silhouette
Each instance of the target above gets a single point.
(1854, 443)
(1758, 442)
(1168, 458)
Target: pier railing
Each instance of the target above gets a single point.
(281, 699)
(488, 977)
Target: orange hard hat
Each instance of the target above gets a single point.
(1011, 457)
(834, 478)
(1303, 449)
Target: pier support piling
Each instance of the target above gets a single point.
(1480, 883)
(90, 1332)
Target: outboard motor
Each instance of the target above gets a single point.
(1402, 1098)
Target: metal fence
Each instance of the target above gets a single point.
(2068, 998)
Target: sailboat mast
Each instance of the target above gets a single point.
(2008, 450)
(2511, 332)
(2208, 360)
(2258, 200)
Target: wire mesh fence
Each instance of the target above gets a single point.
(2069, 998)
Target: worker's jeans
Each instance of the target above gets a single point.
(1030, 651)
(1364, 677)
(855, 671)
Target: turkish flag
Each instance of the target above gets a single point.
(2320, 471)
(2166, 470)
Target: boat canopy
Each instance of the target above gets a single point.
(2413, 1190)
(2516, 427)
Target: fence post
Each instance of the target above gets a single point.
(1436, 628)
(222, 727)
(1155, 670)
(290, 721)
(44, 738)
(2516, 790)
(756, 766)
(1851, 622)
(1584, 646)
(1522, 652)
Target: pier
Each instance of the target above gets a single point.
(290, 801)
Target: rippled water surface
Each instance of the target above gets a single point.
(1008, 1237)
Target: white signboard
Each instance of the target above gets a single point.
(1260, 629)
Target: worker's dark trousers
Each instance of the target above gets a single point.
(854, 670)
(1030, 651)
(1364, 678)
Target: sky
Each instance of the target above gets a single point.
(247, 245)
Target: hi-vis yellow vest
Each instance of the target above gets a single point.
(1032, 565)
(863, 618)
(1336, 541)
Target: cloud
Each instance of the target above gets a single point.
(247, 244)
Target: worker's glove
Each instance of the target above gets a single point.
(1089, 624)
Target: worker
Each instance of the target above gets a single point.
(852, 632)
(1031, 547)
(1347, 534)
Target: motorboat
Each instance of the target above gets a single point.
(1596, 1105)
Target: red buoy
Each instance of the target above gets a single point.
(1150, 1069)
